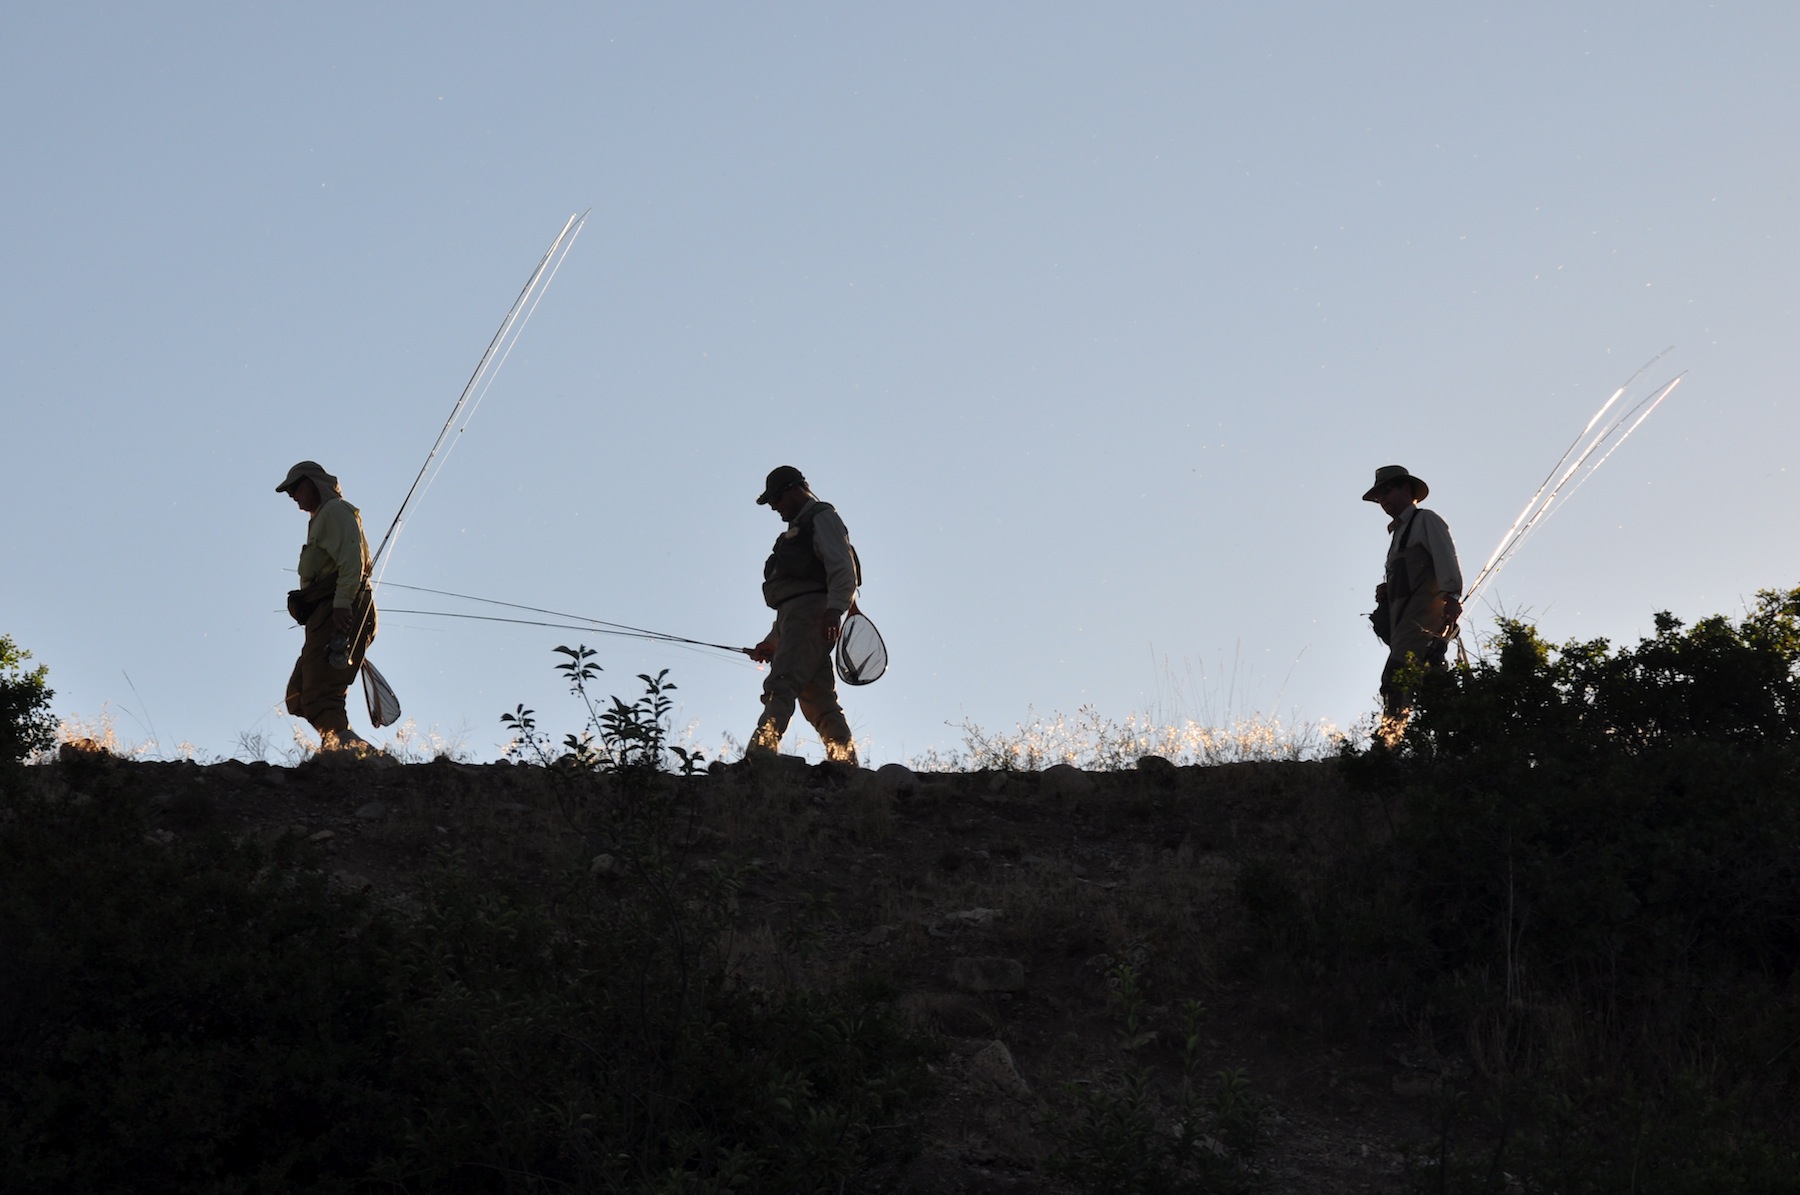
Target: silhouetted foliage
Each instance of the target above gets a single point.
(25, 722)
(1588, 886)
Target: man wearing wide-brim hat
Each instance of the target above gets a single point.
(810, 582)
(1421, 588)
(333, 603)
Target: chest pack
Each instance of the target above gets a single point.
(1381, 618)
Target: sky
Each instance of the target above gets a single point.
(1093, 321)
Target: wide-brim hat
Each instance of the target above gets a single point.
(308, 471)
(1387, 475)
(781, 479)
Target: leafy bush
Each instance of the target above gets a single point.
(1588, 885)
(1717, 682)
(25, 722)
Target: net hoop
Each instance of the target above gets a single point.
(862, 656)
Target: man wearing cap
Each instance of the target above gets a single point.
(1421, 589)
(810, 582)
(333, 603)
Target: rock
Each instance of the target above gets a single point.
(83, 750)
(878, 935)
(896, 777)
(1158, 771)
(948, 1012)
(1066, 780)
(993, 1065)
(973, 916)
(321, 836)
(934, 792)
(603, 865)
(373, 811)
(790, 767)
(1414, 1085)
(988, 974)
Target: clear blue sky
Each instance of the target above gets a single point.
(1093, 320)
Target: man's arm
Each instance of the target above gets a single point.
(1443, 561)
(831, 540)
(763, 652)
(340, 536)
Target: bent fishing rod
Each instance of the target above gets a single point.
(1582, 448)
(1538, 508)
(486, 370)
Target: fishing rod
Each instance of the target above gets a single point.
(507, 335)
(580, 622)
(1537, 509)
(1548, 477)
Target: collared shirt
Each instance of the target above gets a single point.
(1430, 540)
(335, 544)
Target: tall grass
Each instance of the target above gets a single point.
(1094, 742)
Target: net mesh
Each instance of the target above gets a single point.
(384, 705)
(861, 655)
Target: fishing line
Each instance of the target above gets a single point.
(508, 334)
(652, 636)
(598, 625)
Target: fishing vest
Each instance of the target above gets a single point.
(1411, 570)
(794, 559)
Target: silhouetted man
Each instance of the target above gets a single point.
(334, 604)
(810, 582)
(1420, 590)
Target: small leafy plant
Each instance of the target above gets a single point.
(26, 726)
(622, 737)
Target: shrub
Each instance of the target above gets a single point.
(1593, 883)
(25, 723)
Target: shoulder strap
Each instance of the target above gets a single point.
(1400, 559)
(1407, 534)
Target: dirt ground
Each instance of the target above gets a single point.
(995, 906)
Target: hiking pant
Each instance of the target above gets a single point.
(801, 673)
(1418, 635)
(316, 690)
